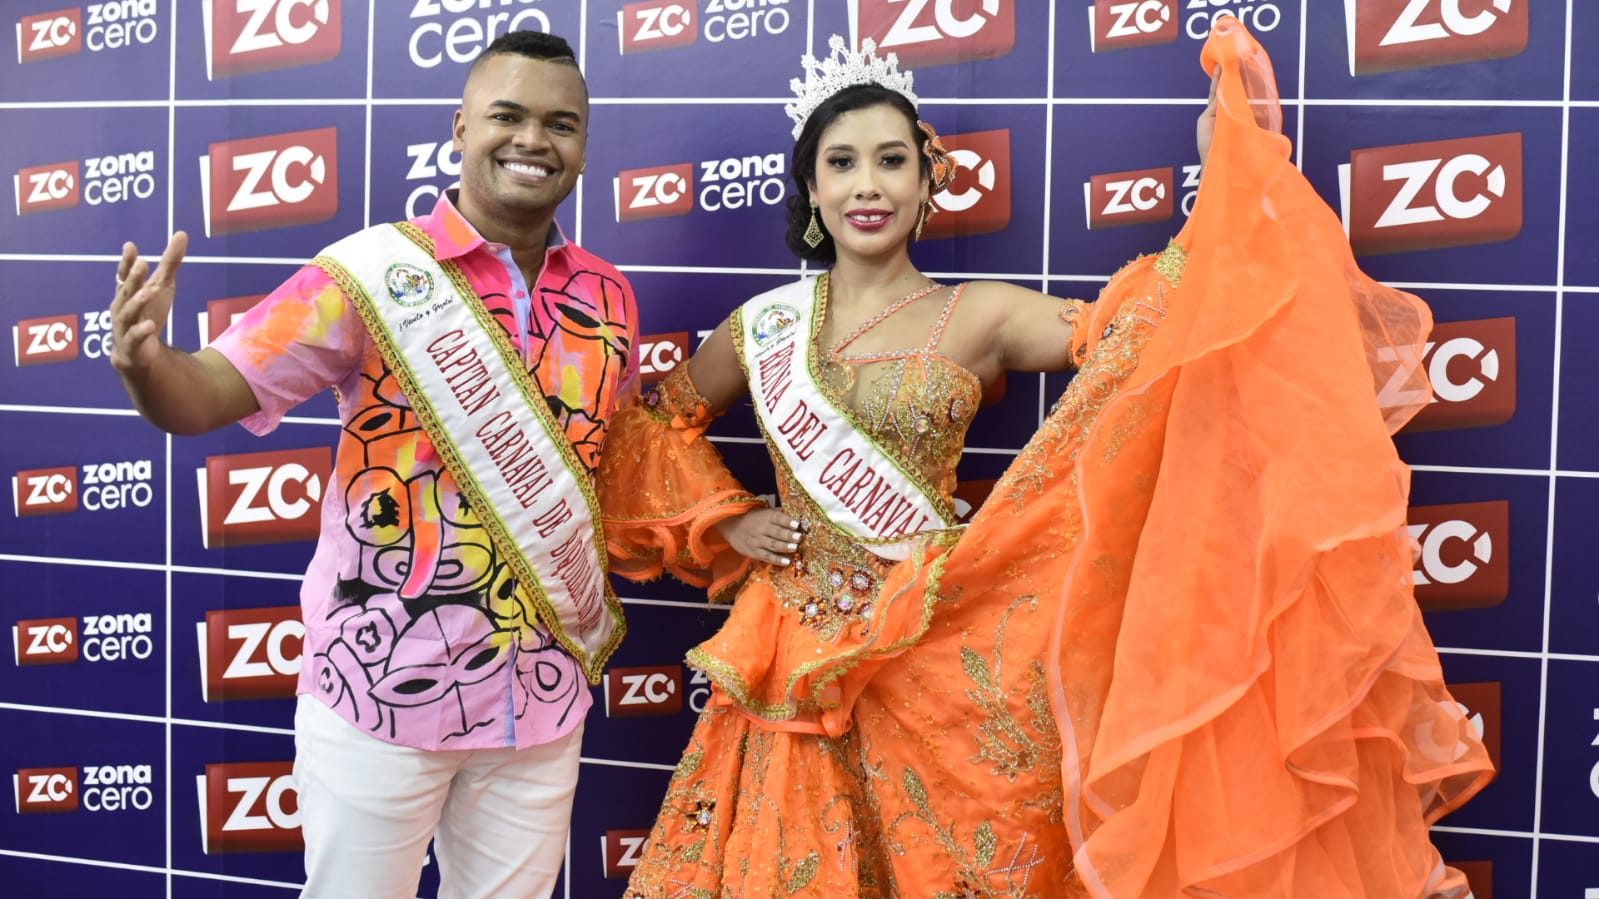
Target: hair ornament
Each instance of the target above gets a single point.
(844, 68)
(943, 168)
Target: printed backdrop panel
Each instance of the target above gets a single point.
(1491, 363)
(1571, 758)
(1442, 194)
(683, 195)
(1578, 440)
(1582, 202)
(694, 48)
(238, 49)
(425, 51)
(267, 181)
(1503, 703)
(236, 649)
(60, 335)
(86, 637)
(1481, 574)
(112, 50)
(247, 503)
(77, 189)
(1150, 48)
(1402, 49)
(85, 787)
(89, 487)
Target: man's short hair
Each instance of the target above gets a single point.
(531, 44)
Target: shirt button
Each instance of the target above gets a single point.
(520, 294)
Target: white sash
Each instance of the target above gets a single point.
(492, 428)
(865, 492)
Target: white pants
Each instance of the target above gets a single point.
(368, 809)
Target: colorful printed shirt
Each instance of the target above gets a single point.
(415, 631)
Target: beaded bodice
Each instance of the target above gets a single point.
(915, 404)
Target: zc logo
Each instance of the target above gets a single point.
(1131, 198)
(247, 36)
(45, 641)
(269, 497)
(250, 653)
(219, 315)
(42, 188)
(104, 638)
(1424, 196)
(1472, 367)
(41, 340)
(654, 192)
(1390, 35)
(1124, 24)
(117, 23)
(249, 807)
(44, 491)
(622, 850)
(270, 182)
(49, 34)
(45, 790)
(103, 788)
(934, 32)
(659, 354)
(1465, 555)
(657, 25)
(652, 690)
(978, 200)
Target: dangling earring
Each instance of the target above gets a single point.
(920, 221)
(813, 233)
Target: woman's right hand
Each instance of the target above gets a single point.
(765, 535)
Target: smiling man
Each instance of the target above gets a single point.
(457, 599)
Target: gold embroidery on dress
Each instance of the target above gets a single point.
(1108, 360)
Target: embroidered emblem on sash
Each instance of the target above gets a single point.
(772, 321)
(407, 284)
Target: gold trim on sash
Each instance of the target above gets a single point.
(592, 651)
(875, 497)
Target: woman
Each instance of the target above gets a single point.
(901, 713)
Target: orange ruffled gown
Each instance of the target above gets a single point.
(1175, 653)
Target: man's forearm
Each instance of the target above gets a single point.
(189, 393)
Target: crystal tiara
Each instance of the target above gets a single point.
(844, 68)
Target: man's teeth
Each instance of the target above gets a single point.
(527, 169)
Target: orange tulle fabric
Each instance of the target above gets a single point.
(664, 489)
(1176, 653)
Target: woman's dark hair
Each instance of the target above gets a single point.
(806, 147)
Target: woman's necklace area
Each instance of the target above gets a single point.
(838, 348)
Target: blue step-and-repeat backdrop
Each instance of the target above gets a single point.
(150, 583)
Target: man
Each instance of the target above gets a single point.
(457, 596)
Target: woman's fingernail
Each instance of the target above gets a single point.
(793, 546)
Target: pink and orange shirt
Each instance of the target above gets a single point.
(453, 659)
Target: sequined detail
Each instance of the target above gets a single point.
(675, 399)
(916, 405)
(701, 816)
(1171, 262)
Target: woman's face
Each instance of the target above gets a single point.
(868, 185)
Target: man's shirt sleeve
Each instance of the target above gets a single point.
(300, 340)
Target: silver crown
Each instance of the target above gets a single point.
(842, 69)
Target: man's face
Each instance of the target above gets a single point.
(522, 131)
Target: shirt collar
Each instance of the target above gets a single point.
(453, 236)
